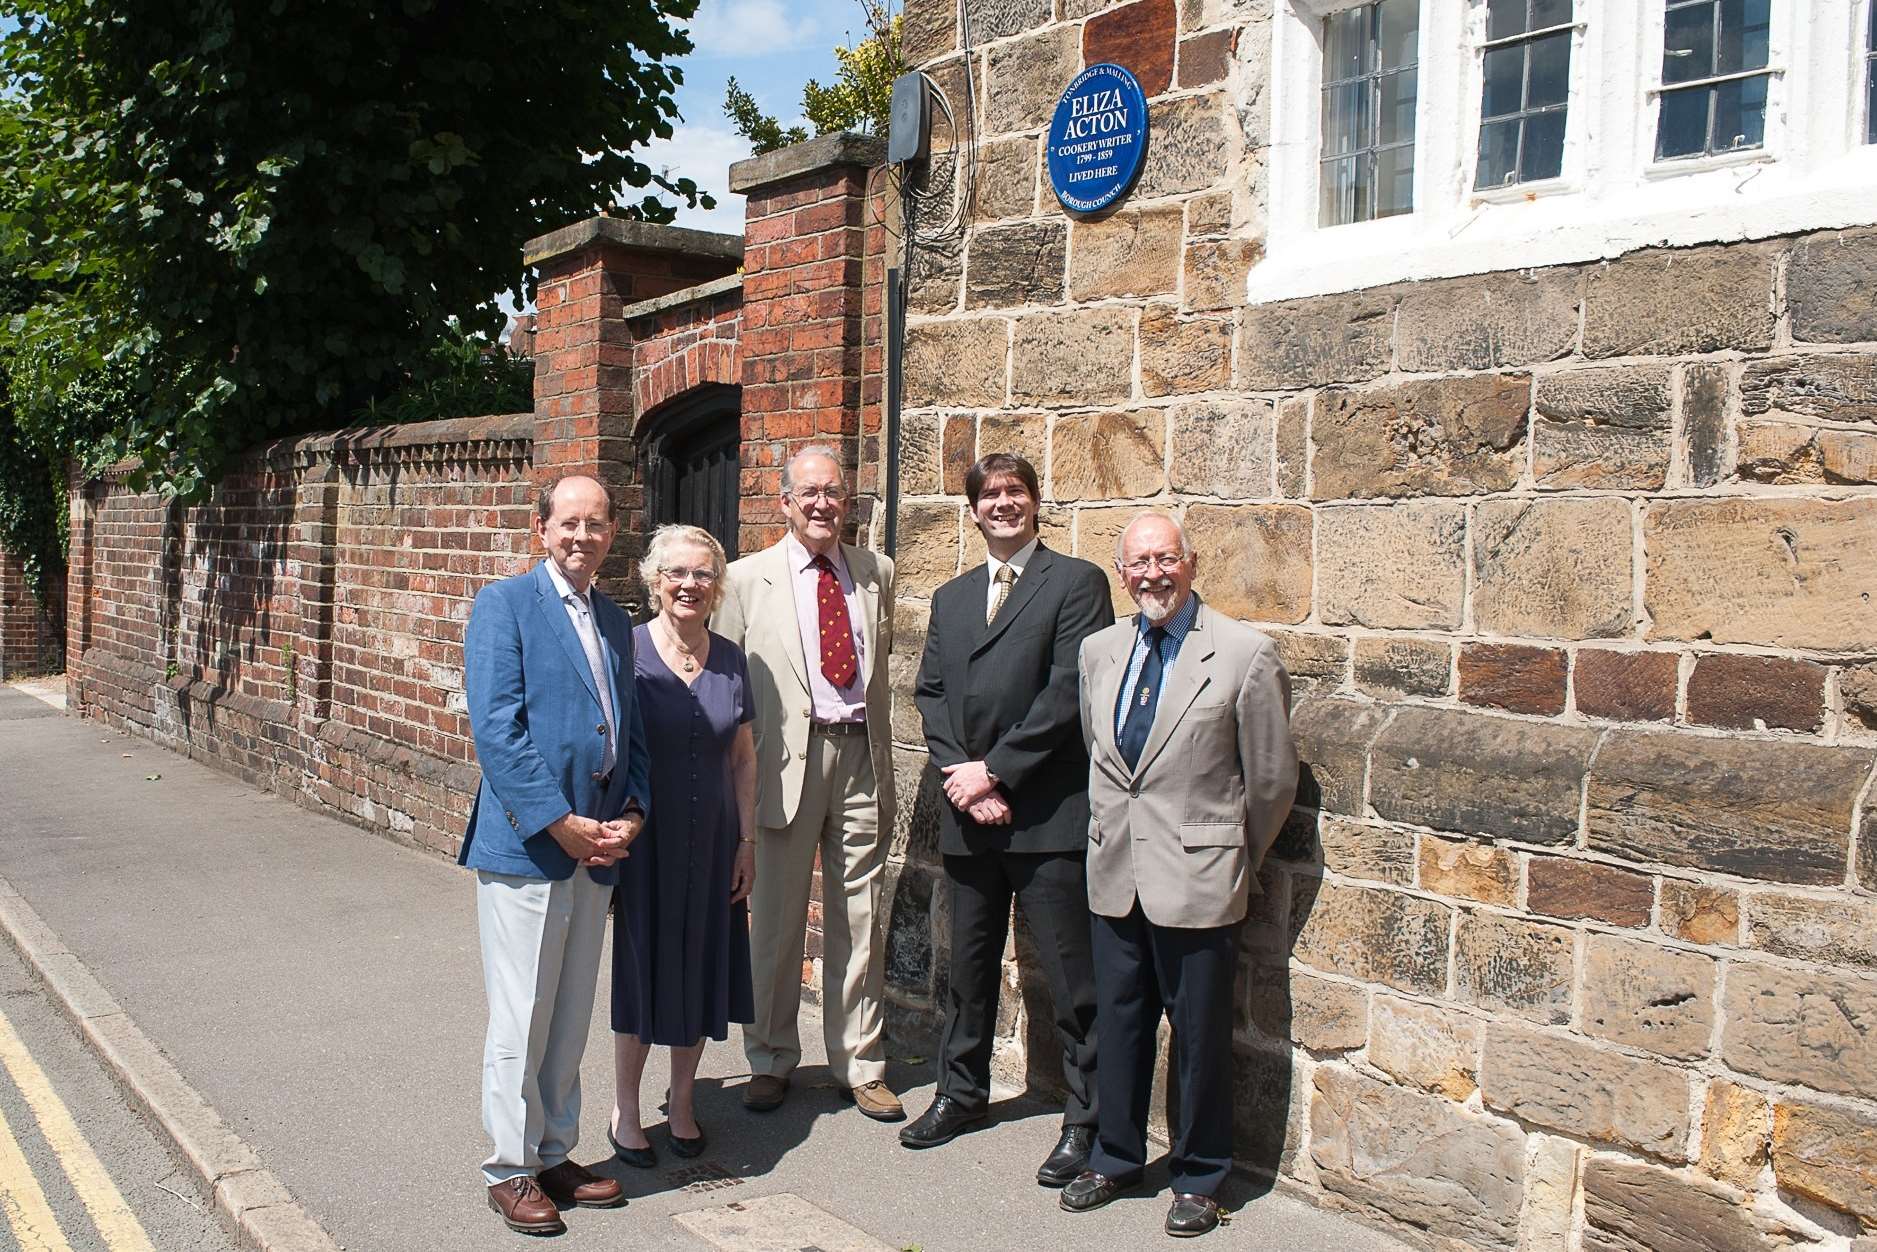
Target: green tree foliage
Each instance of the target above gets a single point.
(34, 447)
(862, 93)
(262, 214)
(462, 376)
(858, 100)
(764, 132)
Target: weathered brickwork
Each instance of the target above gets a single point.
(1572, 571)
(29, 629)
(304, 628)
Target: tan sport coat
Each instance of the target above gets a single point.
(758, 615)
(1186, 831)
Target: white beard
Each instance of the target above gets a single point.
(1156, 603)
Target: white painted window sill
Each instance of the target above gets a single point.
(1558, 225)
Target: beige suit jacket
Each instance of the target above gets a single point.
(758, 615)
(1185, 831)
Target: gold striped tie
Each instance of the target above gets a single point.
(1005, 576)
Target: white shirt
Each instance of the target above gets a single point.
(580, 613)
(1019, 561)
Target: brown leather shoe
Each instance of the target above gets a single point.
(873, 1099)
(568, 1184)
(765, 1092)
(525, 1207)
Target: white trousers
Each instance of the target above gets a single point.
(541, 946)
(839, 817)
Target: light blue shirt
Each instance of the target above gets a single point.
(580, 613)
(1177, 628)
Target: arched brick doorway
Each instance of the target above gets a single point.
(688, 449)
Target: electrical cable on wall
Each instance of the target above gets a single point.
(941, 192)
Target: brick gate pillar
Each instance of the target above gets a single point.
(803, 313)
(583, 394)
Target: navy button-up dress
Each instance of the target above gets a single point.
(681, 967)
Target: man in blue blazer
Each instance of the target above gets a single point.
(548, 667)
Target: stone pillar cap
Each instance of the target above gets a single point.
(825, 152)
(629, 233)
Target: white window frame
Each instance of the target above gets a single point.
(1814, 170)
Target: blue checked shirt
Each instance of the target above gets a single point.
(1176, 627)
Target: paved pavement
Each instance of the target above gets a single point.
(320, 988)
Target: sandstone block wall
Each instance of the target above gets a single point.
(1568, 941)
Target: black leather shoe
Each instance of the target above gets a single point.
(1192, 1215)
(638, 1158)
(1091, 1190)
(1069, 1158)
(942, 1122)
(680, 1146)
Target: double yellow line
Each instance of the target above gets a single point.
(22, 1199)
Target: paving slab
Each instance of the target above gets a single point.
(320, 988)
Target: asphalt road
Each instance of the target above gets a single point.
(72, 1148)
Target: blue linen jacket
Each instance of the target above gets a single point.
(540, 731)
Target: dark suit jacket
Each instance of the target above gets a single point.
(1006, 694)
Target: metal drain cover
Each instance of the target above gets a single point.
(704, 1176)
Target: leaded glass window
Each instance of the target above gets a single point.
(1526, 90)
(1714, 77)
(1370, 60)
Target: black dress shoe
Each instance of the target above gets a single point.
(1069, 1158)
(1192, 1215)
(1091, 1190)
(680, 1146)
(638, 1158)
(943, 1122)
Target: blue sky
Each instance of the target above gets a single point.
(771, 47)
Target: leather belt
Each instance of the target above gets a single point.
(838, 728)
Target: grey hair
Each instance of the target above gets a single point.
(663, 540)
(1120, 540)
(813, 449)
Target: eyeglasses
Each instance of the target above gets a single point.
(1163, 560)
(806, 496)
(678, 574)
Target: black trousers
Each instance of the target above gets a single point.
(1189, 975)
(1052, 890)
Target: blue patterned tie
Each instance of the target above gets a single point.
(1142, 699)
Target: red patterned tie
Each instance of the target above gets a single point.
(838, 659)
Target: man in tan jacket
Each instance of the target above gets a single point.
(815, 617)
(1191, 772)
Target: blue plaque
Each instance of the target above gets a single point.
(1097, 138)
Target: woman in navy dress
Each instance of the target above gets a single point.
(681, 965)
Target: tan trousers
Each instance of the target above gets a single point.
(839, 814)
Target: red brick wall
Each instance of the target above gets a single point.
(677, 349)
(804, 315)
(28, 631)
(304, 628)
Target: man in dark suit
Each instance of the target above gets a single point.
(548, 667)
(997, 693)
